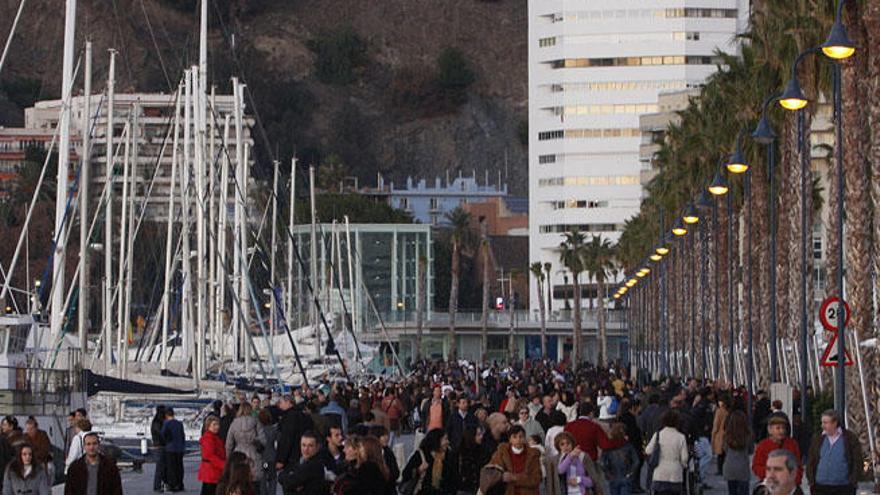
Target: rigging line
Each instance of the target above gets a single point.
(155, 45)
(70, 190)
(224, 149)
(11, 34)
(347, 324)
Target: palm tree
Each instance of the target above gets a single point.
(461, 236)
(538, 274)
(599, 261)
(420, 304)
(547, 270)
(486, 253)
(571, 255)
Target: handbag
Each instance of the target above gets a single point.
(414, 484)
(490, 476)
(654, 458)
(258, 445)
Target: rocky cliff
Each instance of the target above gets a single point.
(388, 114)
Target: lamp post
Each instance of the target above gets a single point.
(719, 187)
(738, 165)
(837, 47)
(691, 217)
(664, 335)
(763, 134)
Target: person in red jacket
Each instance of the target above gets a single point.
(777, 429)
(213, 456)
(588, 434)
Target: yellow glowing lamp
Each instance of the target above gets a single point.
(690, 216)
(838, 45)
(679, 230)
(616, 296)
(662, 250)
(793, 98)
(656, 257)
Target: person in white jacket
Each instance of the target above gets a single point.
(82, 426)
(668, 475)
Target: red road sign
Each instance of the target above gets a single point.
(828, 313)
(829, 357)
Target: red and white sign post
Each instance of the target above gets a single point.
(828, 315)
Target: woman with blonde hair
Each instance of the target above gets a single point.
(367, 473)
(246, 435)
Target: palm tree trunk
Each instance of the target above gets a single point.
(760, 257)
(603, 338)
(856, 116)
(420, 305)
(576, 322)
(542, 313)
(453, 299)
(484, 319)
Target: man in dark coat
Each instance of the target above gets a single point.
(93, 474)
(459, 420)
(291, 425)
(175, 447)
(549, 415)
(158, 449)
(306, 476)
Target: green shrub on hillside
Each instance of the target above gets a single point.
(339, 55)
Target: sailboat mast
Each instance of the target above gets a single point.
(123, 235)
(273, 249)
(236, 230)
(58, 261)
(134, 135)
(221, 241)
(201, 247)
(243, 277)
(108, 217)
(313, 264)
(85, 177)
(169, 255)
(186, 322)
(291, 221)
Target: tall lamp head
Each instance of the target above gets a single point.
(838, 45)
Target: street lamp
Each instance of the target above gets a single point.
(690, 216)
(838, 46)
(662, 250)
(679, 229)
(737, 163)
(655, 257)
(763, 134)
(719, 187)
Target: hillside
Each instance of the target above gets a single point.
(359, 80)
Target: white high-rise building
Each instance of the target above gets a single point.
(594, 68)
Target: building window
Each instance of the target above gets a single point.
(546, 158)
(545, 42)
(577, 204)
(579, 63)
(403, 203)
(599, 180)
(584, 227)
(547, 135)
(434, 204)
(604, 109)
(817, 247)
(602, 133)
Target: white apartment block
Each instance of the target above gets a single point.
(594, 69)
(151, 116)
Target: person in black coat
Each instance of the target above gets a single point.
(305, 477)
(108, 479)
(549, 415)
(332, 454)
(434, 447)
(158, 448)
(384, 437)
(291, 425)
(460, 419)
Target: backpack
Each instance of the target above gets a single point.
(615, 405)
(654, 458)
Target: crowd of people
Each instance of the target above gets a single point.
(539, 428)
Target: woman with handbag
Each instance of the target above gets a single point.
(668, 477)
(247, 436)
(432, 469)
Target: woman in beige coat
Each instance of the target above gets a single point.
(718, 425)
